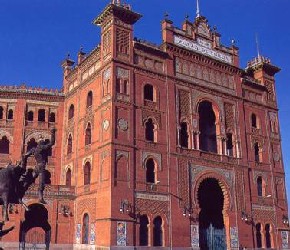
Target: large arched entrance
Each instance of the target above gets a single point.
(35, 230)
(211, 221)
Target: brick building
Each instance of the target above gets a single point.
(171, 145)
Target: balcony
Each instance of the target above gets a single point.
(52, 191)
(150, 104)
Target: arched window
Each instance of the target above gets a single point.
(149, 92)
(157, 232)
(183, 135)
(71, 111)
(150, 171)
(207, 127)
(4, 145)
(149, 130)
(88, 135)
(90, 99)
(268, 236)
(31, 144)
(52, 117)
(258, 235)
(10, 114)
(143, 233)
(68, 178)
(87, 173)
(1, 112)
(30, 116)
(257, 152)
(85, 229)
(260, 186)
(230, 145)
(41, 115)
(69, 144)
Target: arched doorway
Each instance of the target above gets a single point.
(212, 234)
(35, 230)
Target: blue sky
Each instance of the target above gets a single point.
(36, 35)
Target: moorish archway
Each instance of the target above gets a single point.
(35, 231)
(212, 230)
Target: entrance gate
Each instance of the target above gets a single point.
(212, 233)
(213, 238)
(35, 230)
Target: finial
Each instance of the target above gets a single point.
(117, 2)
(233, 42)
(68, 56)
(258, 46)
(166, 15)
(186, 17)
(197, 9)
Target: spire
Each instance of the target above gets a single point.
(197, 9)
(258, 46)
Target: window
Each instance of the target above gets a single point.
(268, 235)
(41, 115)
(30, 116)
(52, 117)
(258, 235)
(126, 87)
(183, 135)
(150, 171)
(31, 144)
(229, 144)
(88, 136)
(118, 85)
(207, 127)
(71, 111)
(69, 144)
(1, 112)
(68, 178)
(149, 92)
(257, 152)
(85, 229)
(87, 173)
(254, 121)
(4, 145)
(157, 232)
(10, 114)
(143, 233)
(149, 130)
(260, 186)
(90, 99)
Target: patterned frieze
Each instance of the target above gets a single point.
(208, 76)
(149, 63)
(153, 207)
(153, 197)
(253, 96)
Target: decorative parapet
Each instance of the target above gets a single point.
(258, 60)
(52, 191)
(30, 90)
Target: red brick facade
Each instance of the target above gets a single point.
(156, 145)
